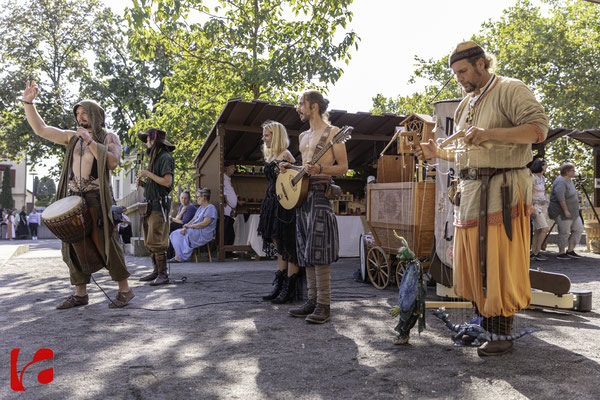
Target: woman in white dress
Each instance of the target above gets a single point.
(539, 214)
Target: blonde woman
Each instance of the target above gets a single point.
(277, 225)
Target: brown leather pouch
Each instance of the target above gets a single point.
(333, 191)
(145, 209)
(453, 193)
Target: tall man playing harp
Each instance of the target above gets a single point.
(91, 153)
(491, 245)
(317, 238)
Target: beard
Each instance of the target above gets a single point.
(468, 87)
(86, 125)
(471, 86)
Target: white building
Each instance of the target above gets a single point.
(18, 172)
(124, 182)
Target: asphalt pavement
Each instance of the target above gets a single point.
(213, 337)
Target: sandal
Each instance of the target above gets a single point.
(174, 260)
(122, 299)
(73, 301)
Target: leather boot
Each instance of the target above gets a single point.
(305, 309)
(500, 326)
(161, 264)
(152, 276)
(288, 290)
(321, 314)
(278, 282)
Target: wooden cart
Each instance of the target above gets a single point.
(397, 209)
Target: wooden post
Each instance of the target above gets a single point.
(595, 152)
(221, 239)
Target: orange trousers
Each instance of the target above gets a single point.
(508, 286)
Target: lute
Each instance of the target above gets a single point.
(292, 186)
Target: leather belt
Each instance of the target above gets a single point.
(485, 175)
(317, 187)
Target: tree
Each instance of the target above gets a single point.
(556, 53)
(258, 49)
(45, 41)
(6, 199)
(128, 86)
(46, 191)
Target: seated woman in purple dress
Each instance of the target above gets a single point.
(184, 215)
(199, 231)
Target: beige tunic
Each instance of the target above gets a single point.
(507, 103)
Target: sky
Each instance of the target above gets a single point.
(392, 32)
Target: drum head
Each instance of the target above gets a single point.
(62, 207)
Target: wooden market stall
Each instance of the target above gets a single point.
(236, 136)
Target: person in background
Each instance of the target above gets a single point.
(230, 203)
(184, 215)
(10, 222)
(3, 223)
(124, 229)
(539, 214)
(198, 231)
(34, 222)
(22, 231)
(564, 209)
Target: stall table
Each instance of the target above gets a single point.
(350, 227)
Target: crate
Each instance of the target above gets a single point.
(408, 208)
(592, 229)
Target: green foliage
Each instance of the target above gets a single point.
(555, 51)
(259, 49)
(126, 85)
(45, 41)
(46, 191)
(6, 199)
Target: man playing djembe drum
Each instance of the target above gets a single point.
(91, 153)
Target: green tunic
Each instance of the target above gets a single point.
(163, 165)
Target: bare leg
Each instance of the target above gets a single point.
(292, 269)
(538, 238)
(123, 286)
(81, 290)
(282, 265)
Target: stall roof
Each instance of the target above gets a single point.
(242, 120)
(591, 137)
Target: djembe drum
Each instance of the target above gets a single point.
(70, 220)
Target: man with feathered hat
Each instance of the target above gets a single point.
(91, 153)
(157, 181)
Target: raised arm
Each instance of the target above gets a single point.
(113, 150)
(36, 122)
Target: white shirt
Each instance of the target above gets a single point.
(125, 222)
(34, 218)
(230, 194)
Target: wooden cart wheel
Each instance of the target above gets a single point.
(399, 272)
(378, 267)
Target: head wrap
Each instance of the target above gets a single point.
(465, 50)
(96, 117)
